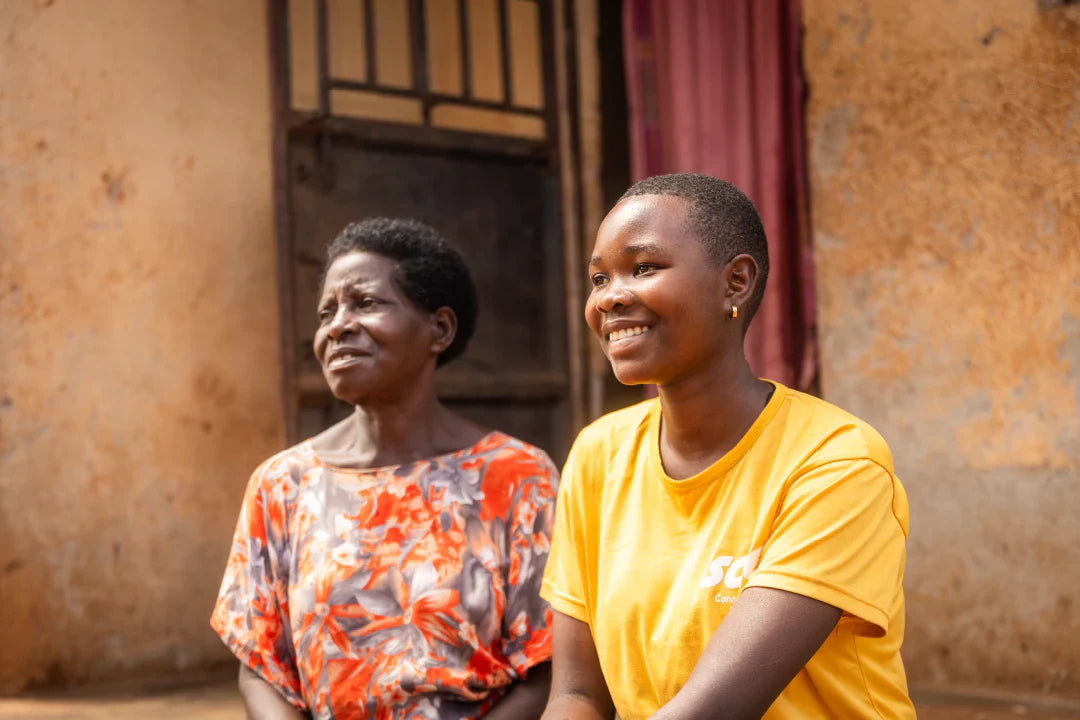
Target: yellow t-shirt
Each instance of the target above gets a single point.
(806, 502)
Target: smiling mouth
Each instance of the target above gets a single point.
(343, 360)
(627, 333)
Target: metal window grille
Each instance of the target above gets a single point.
(510, 110)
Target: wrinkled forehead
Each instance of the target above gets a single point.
(359, 268)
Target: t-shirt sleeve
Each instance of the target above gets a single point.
(527, 618)
(837, 539)
(565, 582)
(251, 613)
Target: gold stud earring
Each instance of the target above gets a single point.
(734, 311)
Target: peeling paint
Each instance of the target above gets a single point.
(831, 138)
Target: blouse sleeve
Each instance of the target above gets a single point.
(840, 538)
(565, 582)
(251, 612)
(526, 627)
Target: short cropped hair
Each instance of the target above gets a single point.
(725, 220)
(430, 271)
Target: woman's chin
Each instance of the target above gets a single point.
(629, 375)
(348, 391)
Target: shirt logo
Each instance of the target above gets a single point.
(732, 574)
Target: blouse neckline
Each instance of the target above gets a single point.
(487, 440)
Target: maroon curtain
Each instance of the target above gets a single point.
(714, 87)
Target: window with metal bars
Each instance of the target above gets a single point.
(476, 66)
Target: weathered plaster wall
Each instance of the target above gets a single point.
(945, 180)
(139, 380)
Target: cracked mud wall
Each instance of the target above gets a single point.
(944, 144)
(139, 379)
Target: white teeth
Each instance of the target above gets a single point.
(627, 332)
(342, 359)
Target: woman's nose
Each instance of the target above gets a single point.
(342, 324)
(613, 296)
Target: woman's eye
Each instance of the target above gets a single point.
(599, 280)
(368, 303)
(326, 314)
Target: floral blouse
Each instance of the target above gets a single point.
(408, 591)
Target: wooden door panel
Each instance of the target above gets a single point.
(484, 169)
(502, 213)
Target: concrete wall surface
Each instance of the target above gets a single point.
(139, 371)
(945, 178)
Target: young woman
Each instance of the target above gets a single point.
(389, 567)
(732, 548)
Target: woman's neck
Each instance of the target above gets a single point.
(397, 430)
(395, 433)
(704, 416)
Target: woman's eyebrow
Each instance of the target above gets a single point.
(634, 249)
(643, 247)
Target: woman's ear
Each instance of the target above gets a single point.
(444, 328)
(740, 279)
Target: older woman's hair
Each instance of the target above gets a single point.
(430, 271)
(726, 221)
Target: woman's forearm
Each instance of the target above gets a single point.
(526, 699)
(766, 638)
(263, 702)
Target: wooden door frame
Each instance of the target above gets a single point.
(561, 152)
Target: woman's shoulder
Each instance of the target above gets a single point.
(619, 421)
(615, 428)
(497, 443)
(836, 432)
(289, 464)
(507, 471)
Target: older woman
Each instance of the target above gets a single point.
(732, 548)
(390, 567)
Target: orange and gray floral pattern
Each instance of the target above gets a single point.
(402, 592)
